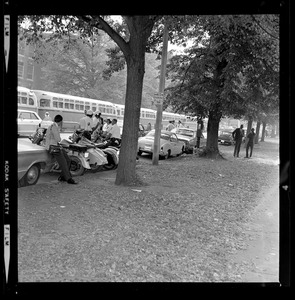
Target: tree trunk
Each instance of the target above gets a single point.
(263, 131)
(249, 125)
(211, 149)
(257, 132)
(126, 174)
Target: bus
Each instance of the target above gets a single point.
(26, 99)
(71, 107)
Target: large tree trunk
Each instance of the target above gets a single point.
(257, 132)
(211, 149)
(126, 174)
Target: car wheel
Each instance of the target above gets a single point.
(32, 175)
(168, 154)
(76, 167)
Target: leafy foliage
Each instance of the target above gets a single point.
(212, 71)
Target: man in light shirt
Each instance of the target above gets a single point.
(115, 130)
(86, 123)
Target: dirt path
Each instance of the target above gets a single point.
(260, 261)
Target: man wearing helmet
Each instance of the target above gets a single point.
(86, 123)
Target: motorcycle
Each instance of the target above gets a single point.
(76, 153)
(111, 152)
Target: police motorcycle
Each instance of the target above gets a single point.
(75, 152)
(96, 150)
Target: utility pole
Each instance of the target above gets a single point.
(159, 104)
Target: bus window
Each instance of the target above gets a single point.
(60, 105)
(54, 104)
(93, 108)
(77, 106)
(101, 108)
(87, 107)
(44, 102)
(18, 99)
(31, 101)
(23, 100)
(67, 105)
(71, 105)
(81, 107)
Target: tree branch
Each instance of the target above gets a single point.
(103, 25)
(253, 18)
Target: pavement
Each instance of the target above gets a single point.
(262, 253)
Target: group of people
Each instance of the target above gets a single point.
(92, 128)
(238, 135)
(95, 126)
(171, 125)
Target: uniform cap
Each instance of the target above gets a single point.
(97, 112)
(89, 112)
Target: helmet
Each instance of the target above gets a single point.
(97, 112)
(89, 112)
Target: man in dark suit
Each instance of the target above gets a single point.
(238, 135)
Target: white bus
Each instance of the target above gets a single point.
(71, 107)
(26, 99)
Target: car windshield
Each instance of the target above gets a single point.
(164, 136)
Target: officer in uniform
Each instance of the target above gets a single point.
(86, 123)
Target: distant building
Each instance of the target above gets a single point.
(29, 71)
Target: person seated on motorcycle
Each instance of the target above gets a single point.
(106, 127)
(86, 123)
(114, 133)
(53, 138)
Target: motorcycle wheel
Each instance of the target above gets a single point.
(76, 167)
(111, 164)
(96, 168)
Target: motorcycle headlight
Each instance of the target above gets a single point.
(86, 154)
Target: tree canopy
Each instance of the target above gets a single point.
(231, 61)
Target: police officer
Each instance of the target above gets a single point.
(86, 123)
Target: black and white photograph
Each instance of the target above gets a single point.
(148, 149)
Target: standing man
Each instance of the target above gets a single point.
(46, 122)
(170, 126)
(52, 140)
(250, 143)
(238, 135)
(86, 123)
(97, 126)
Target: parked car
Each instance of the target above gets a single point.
(27, 122)
(31, 159)
(141, 129)
(189, 137)
(169, 144)
(225, 137)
